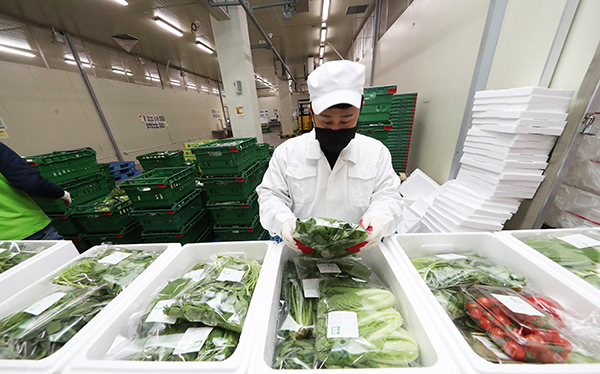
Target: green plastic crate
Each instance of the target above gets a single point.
(79, 242)
(161, 159)
(98, 217)
(263, 151)
(62, 166)
(159, 188)
(253, 231)
(66, 224)
(372, 98)
(226, 156)
(189, 233)
(379, 132)
(82, 190)
(172, 218)
(374, 117)
(234, 212)
(234, 187)
(386, 89)
(131, 234)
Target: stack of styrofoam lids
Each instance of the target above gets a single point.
(52, 255)
(91, 356)
(32, 294)
(434, 356)
(543, 279)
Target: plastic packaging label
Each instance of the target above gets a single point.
(451, 256)
(517, 305)
(231, 275)
(39, 307)
(328, 268)
(342, 325)
(489, 345)
(115, 258)
(157, 314)
(192, 340)
(311, 288)
(196, 275)
(580, 241)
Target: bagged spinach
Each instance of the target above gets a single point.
(295, 354)
(328, 237)
(13, 253)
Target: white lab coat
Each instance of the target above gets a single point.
(300, 183)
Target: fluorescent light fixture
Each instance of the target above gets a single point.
(122, 2)
(215, 91)
(122, 72)
(71, 61)
(175, 83)
(320, 61)
(153, 78)
(16, 51)
(323, 35)
(321, 51)
(193, 86)
(323, 25)
(205, 89)
(325, 10)
(167, 26)
(204, 47)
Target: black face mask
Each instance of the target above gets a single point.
(334, 141)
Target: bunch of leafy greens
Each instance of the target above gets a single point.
(452, 300)
(116, 196)
(295, 354)
(298, 321)
(328, 237)
(382, 341)
(26, 336)
(92, 271)
(353, 267)
(582, 262)
(13, 253)
(216, 302)
(466, 269)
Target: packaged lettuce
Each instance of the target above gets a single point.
(328, 238)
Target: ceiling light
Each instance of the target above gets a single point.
(215, 91)
(16, 51)
(204, 47)
(153, 78)
(191, 85)
(205, 89)
(323, 24)
(122, 2)
(320, 61)
(323, 34)
(325, 10)
(167, 26)
(321, 51)
(122, 72)
(175, 83)
(70, 61)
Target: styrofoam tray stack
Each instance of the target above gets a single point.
(91, 355)
(30, 295)
(542, 278)
(433, 348)
(20, 276)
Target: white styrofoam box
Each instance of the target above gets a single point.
(450, 204)
(31, 294)
(504, 156)
(19, 276)
(506, 150)
(464, 194)
(91, 356)
(454, 220)
(417, 186)
(483, 164)
(537, 147)
(410, 219)
(519, 129)
(517, 239)
(542, 278)
(434, 356)
(493, 177)
(489, 179)
(508, 164)
(584, 174)
(516, 115)
(538, 103)
(524, 91)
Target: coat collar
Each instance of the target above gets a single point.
(313, 151)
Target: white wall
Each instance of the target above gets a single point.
(269, 102)
(47, 110)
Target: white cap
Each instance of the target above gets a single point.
(336, 82)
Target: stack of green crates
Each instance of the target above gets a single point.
(77, 171)
(378, 101)
(232, 169)
(168, 205)
(402, 117)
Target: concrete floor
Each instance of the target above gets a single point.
(273, 138)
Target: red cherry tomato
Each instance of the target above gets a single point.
(498, 311)
(566, 347)
(544, 335)
(535, 344)
(513, 350)
(476, 313)
(554, 335)
(547, 356)
(502, 321)
(527, 328)
(470, 306)
(485, 302)
(517, 331)
(497, 334)
(485, 323)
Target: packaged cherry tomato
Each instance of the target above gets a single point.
(524, 331)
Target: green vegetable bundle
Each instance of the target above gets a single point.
(295, 354)
(299, 314)
(215, 300)
(116, 196)
(354, 268)
(94, 270)
(452, 300)
(13, 253)
(328, 237)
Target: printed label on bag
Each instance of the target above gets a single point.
(489, 345)
(342, 325)
(196, 275)
(39, 307)
(580, 241)
(157, 314)
(192, 340)
(517, 305)
(231, 275)
(328, 268)
(451, 256)
(114, 258)
(311, 287)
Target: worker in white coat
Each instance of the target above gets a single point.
(332, 172)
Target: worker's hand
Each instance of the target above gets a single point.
(67, 198)
(287, 231)
(375, 231)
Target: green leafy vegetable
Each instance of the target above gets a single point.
(295, 354)
(328, 237)
(13, 253)
(116, 196)
(453, 301)
(300, 316)
(348, 267)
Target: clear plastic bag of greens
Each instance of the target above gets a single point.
(13, 253)
(480, 342)
(452, 300)
(222, 297)
(298, 314)
(351, 267)
(112, 266)
(44, 327)
(295, 354)
(328, 238)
